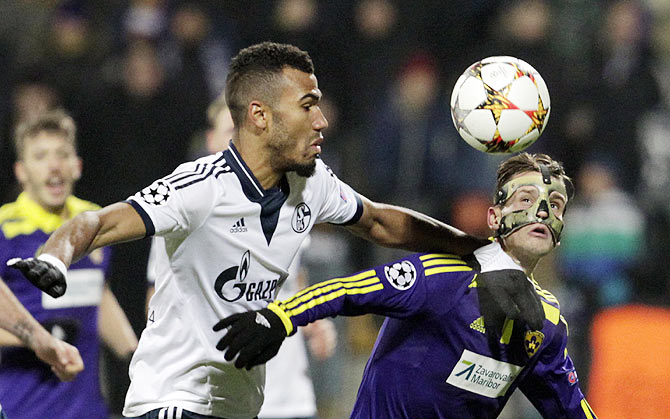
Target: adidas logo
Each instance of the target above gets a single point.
(239, 226)
(478, 325)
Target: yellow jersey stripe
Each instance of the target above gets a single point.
(288, 325)
(438, 255)
(507, 331)
(473, 283)
(551, 312)
(434, 262)
(441, 269)
(362, 275)
(565, 322)
(333, 295)
(587, 409)
(325, 290)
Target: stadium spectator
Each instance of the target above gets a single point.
(435, 355)
(47, 167)
(270, 184)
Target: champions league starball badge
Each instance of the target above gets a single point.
(401, 275)
(156, 194)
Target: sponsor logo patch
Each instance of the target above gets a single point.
(401, 275)
(239, 227)
(483, 375)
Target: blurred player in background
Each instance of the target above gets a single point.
(47, 168)
(435, 356)
(270, 181)
(63, 358)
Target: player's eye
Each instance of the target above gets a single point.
(526, 200)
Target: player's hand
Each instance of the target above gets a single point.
(255, 335)
(42, 274)
(321, 338)
(63, 358)
(508, 293)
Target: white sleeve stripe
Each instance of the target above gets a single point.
(199, 169)
(193, 179)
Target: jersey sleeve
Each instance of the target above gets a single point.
(552, 386)
(342, 205)
(179, 202)
(395, 290)
(5, 255)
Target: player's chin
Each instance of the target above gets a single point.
(306, 169)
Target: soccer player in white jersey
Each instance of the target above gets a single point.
(289, 392)
(232, 223)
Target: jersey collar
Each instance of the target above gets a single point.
(41, 218)
(250, 185)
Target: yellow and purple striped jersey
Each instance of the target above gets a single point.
(432, 358)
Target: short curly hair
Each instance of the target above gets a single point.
(255, 72)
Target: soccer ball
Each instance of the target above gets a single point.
(500, 105)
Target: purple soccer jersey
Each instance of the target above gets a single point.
(28, 388)
(433, 357)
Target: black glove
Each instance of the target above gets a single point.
(256, 335)
(42, 274)
(508, 293)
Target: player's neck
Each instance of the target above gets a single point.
(59, 210)
(256, 158)
(527, 261)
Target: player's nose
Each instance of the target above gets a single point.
(543, 210)
(320, 122)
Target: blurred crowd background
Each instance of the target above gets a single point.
(138, 75)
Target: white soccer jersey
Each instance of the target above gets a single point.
(228, 246)
(288, 387)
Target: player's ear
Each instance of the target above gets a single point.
(493, 217)
(258, 114)
(20, 172)
(78, 167)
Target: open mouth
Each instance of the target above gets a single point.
(55, 184)
(540, 230)
(316, 145)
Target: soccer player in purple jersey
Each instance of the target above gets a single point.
(63, 358)
(47, 168)
(434, 356)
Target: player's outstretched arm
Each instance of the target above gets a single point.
(398, 227)
(75, 238)
(64, 359)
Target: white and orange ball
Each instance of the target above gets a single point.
(500, 105)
